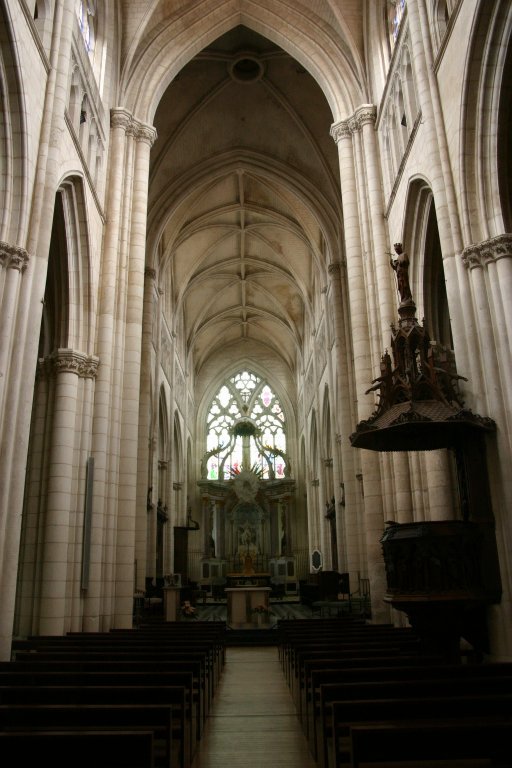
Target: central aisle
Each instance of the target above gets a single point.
(253, 720)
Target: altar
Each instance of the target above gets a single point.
(244, 580)
(248, 607)
(248, 577)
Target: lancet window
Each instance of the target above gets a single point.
(246, 429)
(395, 12)
(86, 12)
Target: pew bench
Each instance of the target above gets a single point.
(183, 733)
(337, 664)
(125, 659)
(157, 718)
(44, 665)
(80, 748)
(79, 678)
(325, 684)
(428, 689)
(348, 650)
(344, 714)
(448, 740)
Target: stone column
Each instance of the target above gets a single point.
(402, 488)
(144, 136)
(60, 518)
(358, 303)
(144, 475)
(489, 265)
(13, 263)
(15, 408)
(440, 498)
(347, 513)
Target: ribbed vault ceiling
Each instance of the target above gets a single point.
(244, 208)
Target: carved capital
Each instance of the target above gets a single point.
(69, 361)
(366, 114)
(150, 273)
(488, 251)
(146, 134)
(340, 131)
(120, 118)
(13, 257)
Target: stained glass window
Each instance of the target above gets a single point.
(86, 13)
(396, 10)
(245, 429)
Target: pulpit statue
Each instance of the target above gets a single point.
(401, 267)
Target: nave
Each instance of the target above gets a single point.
(253, 721)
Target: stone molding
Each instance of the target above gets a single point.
(340, 131)
(366, 114)
(121, 118)
(13, 257)
(488, 251)
(69, 361)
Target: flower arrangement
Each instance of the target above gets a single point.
(188, 610)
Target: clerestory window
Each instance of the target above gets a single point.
(246, 430)
(86, 13)
(395, 12)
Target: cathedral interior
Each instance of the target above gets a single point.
(254, 265)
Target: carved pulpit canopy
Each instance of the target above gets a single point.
(419, 406)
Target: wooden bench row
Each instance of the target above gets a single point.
(366, 697)
(159, 681)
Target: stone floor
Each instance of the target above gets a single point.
(253, 723)
(210, 611)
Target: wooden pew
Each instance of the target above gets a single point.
(347, 714)
(321, 670)
(98, 659)
(157, 718)
(396, 671)
(80, 748)
(153, 646)
(447, 739)
(350, 649)
(293, 638)
(377, 638)
(375, 691)
(172, 655)
(143, 648)
(15, 676)
(56, 671)
(176, 697)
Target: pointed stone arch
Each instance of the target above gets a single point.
(428, 283)
(14, 199)
(165, 45)
(61, 429)
(486, 156)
